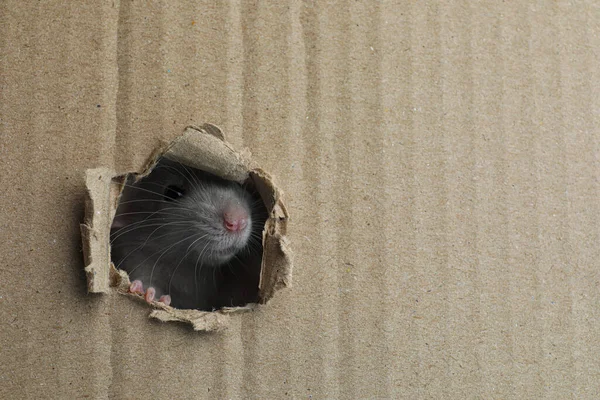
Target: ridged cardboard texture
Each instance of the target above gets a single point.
(439, 160)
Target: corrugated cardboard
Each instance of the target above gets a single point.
(440, 162)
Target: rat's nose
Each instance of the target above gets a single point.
(235, 219)
(235, 225)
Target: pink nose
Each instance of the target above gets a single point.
(235, 224)
(235, 218)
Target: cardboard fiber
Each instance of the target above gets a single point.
(439, 160)
(202, 148)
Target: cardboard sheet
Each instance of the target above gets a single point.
(439, 160)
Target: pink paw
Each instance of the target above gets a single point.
(149, 296)
(138, 287)
(166, 299)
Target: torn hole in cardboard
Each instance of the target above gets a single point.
(240, 289)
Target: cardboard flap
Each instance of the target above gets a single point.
(276, 271)
(204, 148)
(100, 206)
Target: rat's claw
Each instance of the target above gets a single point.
(166, 299)
(149, 296)
(136, 287)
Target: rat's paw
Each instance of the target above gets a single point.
(149, 294)
(166, 299)
(136, 287)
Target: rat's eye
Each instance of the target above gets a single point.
(173, 192)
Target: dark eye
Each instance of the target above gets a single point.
(173, 192)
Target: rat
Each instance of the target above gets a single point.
(177, 229)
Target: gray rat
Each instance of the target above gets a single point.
(189, 238)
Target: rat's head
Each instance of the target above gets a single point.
(215, 215)
(220, 219)
(190, 211)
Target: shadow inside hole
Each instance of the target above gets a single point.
(166, 235)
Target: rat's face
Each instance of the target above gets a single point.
(216, 215)
(220, 219)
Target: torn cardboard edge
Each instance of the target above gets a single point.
(203, 148)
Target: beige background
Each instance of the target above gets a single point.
(440, 164)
